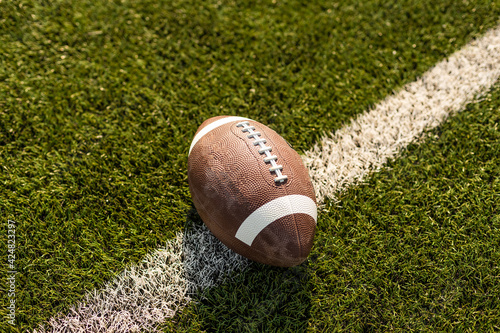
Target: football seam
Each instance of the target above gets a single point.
(278, 173)
(299, 243)
(266, 150)
(246, 127)
(259, 159)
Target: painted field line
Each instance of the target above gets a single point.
(374, 137)
(148, 293)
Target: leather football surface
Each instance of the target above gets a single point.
(252, 190)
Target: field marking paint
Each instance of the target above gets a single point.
(374, 137)
(153, 290)
(148, 293)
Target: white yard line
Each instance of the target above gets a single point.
(151, 291)
(374, 137)
(148, 293)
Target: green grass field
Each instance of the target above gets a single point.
(414, 249)
(99, 101)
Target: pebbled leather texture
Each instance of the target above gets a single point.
(229, 180)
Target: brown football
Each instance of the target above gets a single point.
(252, 190)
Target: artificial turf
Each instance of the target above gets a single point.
(99, 101)
(416, 248)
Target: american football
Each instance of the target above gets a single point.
(252, 190)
